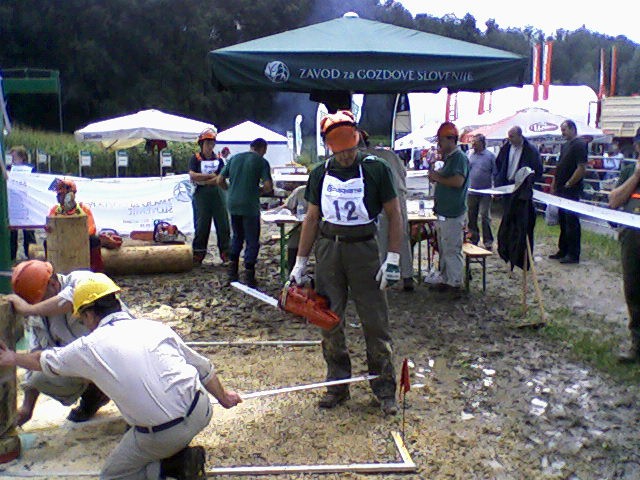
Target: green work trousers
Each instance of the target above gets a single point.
(630, 255)
(210, 202)
(341, 268)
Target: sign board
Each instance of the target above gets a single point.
(122, 158)
(42, 157)
(165, 158)
(85, 158)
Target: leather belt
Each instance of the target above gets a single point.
(170, 423)
(347, 239)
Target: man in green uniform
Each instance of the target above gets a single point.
(452, 183)
(208, 199)
(627, 196)
(345, 196)
(246, 171)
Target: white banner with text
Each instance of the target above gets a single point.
(123, 204)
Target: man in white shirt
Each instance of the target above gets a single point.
(515, 154)
(162, 398)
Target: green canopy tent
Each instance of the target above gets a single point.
(347, 55)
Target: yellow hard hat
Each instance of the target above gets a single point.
(91, 289)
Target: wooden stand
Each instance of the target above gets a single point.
(68, 243)
(145, 259)
(528, 260)
(9, 441)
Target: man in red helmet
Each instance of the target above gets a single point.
(345, 196)
(46, 300)
(209, 201)
(66, 195)
(450, 204)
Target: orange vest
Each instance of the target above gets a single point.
(79, 210)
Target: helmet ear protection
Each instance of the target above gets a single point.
(208, 134)
(339, 131)
(29, 280)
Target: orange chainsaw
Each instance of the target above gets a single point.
(163, 232)
(302, 301)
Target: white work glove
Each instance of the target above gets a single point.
(389, 272)
(297, 273)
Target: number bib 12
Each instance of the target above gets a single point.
(343, 202)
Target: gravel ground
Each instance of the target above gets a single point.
(490, 400)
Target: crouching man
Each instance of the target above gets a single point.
(163, 397)
(46, 300)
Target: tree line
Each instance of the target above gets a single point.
(120, 56)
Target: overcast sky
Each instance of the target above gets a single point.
(616, 18)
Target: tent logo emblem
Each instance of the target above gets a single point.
(276, 71)
(543, 127)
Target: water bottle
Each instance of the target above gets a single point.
(421, 211)
(300, 212)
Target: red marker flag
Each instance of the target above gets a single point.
(405, 384)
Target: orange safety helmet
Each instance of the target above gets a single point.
(208, 134)
(29, 279)
(339, 131)
(66, 186)
(447, 129)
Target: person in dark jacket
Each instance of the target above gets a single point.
(514, 155)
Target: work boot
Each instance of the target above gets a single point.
(232, 272)
(90, 402)
(389, 406)
(557, 256)
(632, 355)
(250, 276)
(331, 399)
(187, 464)
(198, 258)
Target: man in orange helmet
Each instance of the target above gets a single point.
(66, 195)
(46, 300)
(345, 196)
(209, 201)
(450, 204)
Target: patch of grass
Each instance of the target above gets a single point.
(596, 350)
(595, 246)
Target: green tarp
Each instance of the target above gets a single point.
(363, 56)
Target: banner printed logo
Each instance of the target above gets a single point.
(183, 191)
(277, 71)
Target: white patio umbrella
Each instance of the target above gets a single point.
(129, 130)
(536, 123)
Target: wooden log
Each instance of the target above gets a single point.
(68, 243)
(144, 259)
(9, 441)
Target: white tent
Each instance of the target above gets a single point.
(238, 138)
(129, 130)
(420, 138)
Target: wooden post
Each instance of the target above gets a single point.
(524, 284)
(9, 441)
(68, 243)
(534, 275)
